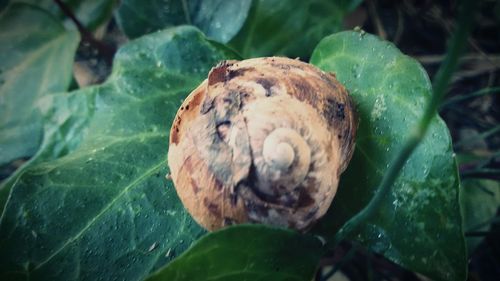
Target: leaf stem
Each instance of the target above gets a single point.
(337, 266)
(492, 174)
(481, 233)
(482, 92)
(440, 86)
(106, 50)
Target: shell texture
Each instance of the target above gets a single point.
(262, 140)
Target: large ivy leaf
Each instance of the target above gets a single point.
(105, 211)
(290, 27)
(246, 252)
(419, 225)
(218, 19)
(91, 13)
(37, 57)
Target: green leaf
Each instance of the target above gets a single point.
(37, 57)
(289, 27)
(91, 13)
(105, 211)
(218, 19)
(246, 252)
(66, 118)
(419, 225)
(480, 200)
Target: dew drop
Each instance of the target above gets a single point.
(169, 253)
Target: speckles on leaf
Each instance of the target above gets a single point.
(379, 108)
(153, 247)
(168, 253)
(355, 70)
(391, 95)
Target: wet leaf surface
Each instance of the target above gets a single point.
(246, 252)
(104, 210)
(36, 55)
(91, 13)
(218, 19)
(289, 28)
(419, 225)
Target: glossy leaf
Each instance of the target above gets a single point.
(289, 27)
(246, 252)
(218, 19)
(105, 211)
(419, 225)
(91, 13)
(37, 57)
(66, 118)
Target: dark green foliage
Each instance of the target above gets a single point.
(218, 19)
(94, 204)
(420, 223)
(36, 54)
(246, 252)
(107, 203)
(291, 28)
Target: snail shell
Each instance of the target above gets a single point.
(262, 140)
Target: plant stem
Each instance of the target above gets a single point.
(492, 174)
(480, 233)
(105, 50)
(440, 86)
(336, 267)
(482, 92)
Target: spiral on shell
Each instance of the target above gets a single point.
(262, 140)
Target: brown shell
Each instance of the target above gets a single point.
(213, 154)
